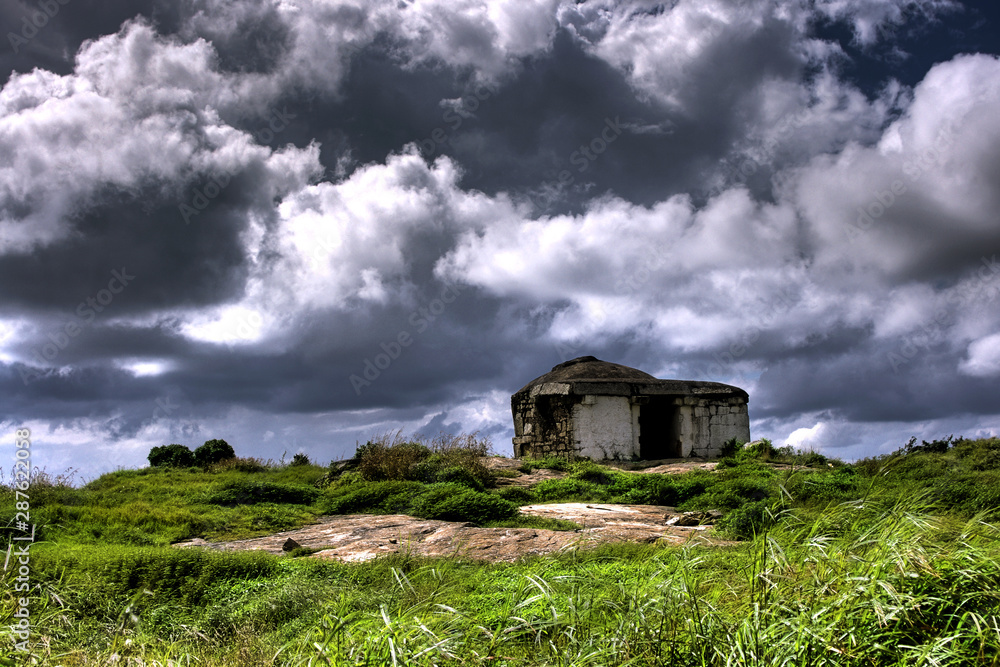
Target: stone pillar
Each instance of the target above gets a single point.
(685, 429)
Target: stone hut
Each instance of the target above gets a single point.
(600, 410)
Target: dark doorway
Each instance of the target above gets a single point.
(658, 437)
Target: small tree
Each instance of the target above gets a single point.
(213, 451)
(174, 455)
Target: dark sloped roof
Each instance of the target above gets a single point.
(590, 374)
(589, 368)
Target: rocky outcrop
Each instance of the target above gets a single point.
(361, 537)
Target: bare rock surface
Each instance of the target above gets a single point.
(664, 467)
(361, 537)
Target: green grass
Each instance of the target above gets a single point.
(446, 501)
(153, 506)
(887, 561)
(864, 584)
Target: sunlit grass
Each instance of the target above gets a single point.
(891, 561)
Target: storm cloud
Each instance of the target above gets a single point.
(293, 225)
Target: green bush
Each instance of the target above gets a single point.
(385, 497)
(734, 487)
(378, 461)
(761, 450)
(441, 500)
(519, 495)
(557, 463)
(730, 448)
(933, 447)
(589, 471)
(246, 492)
(454, 502)
(176, 456)
(970, 492)
(300, 460)
(667, 490)
(178, 574)
(239, 464)
(448, 458)
(567, 489)
(813, 459)
(747, 520)
(981, 454)
(213, 451)
(459, 475)
(437, 468)
(842, 484)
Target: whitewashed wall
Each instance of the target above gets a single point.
(603, 428)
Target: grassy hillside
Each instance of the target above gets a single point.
(886, 561)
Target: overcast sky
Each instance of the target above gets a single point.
(294, 224)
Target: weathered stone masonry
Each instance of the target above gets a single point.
(592, 408)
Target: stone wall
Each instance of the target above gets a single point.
(604, 429)
(598, 427)
(543, 425)
(707, 423)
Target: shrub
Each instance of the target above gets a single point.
(447, 458)
(384, 497)
(388, 457)
(730, 447)
(761, 450)
(519, 495)
(213, 451)
(239, 464)
(453, 502)
(441, 500)
(589, 471)
(842, 484)
(812, 459)
(970, 492)
(558, 463)
(300, 460)
(179, 574)
(571, 489)
(748, 520)
(664, 490)
(246, 492)
(733, 487)
(437, 468)
(983, 454)
(932, 447)
(459, 475)
(465, 451)
(177, 456)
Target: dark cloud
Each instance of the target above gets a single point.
(358, 218)
(66, 25)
